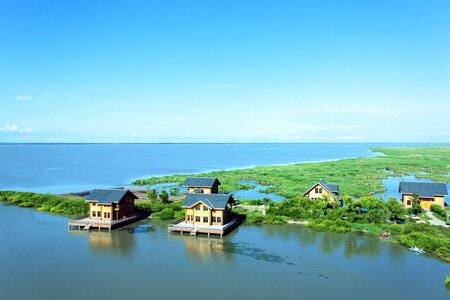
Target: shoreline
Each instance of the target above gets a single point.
(43, 189)
(160, 178)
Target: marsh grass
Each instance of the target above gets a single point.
(46, 202)
(356, 176)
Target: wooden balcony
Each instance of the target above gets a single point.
(182, 227)
(86, 223)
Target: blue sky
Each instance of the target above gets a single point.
(225, 71)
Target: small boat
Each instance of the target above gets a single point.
(417, 250)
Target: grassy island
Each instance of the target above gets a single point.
(359, 180)
(356, 177)
(65, 205)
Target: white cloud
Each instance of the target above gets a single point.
(28, 98)
(15, 129)
(9, 128)
(25, 98)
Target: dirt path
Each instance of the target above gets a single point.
(435, 221)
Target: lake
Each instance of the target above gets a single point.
(64, 168)
(42, 259)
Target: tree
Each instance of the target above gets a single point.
(352, 209)
(152, 195)
(174, 191)
(416, 208)
(394, 209)
(376, 212)
(164, 196)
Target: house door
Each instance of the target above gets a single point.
(426, 203)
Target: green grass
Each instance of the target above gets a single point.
(46, 202)
(356, 177)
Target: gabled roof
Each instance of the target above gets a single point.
(201, 182)
(215, 201)
(329, 187)
(108, 196)
(423, 189)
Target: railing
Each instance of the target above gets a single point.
(177, 222)
(80, 218)
(88, 221)
(188, 227)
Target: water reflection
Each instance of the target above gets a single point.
(206, 249)
(114, 242)
(356, 245)
(330, 242)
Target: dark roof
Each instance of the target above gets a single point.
(108, 196)
(423, 189)
(330, 187)
(201, 181)
(216, 201)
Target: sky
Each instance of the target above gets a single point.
(225, 71)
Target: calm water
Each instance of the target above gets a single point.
(41, 259)
(63, 168)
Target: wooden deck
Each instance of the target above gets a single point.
(86, 223)
(182, 227)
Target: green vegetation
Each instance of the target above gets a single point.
(165, 210)
(356, 177)
(433, 239)
(438, 212)
(447, 281)
(369, 215)
(47, 202)
(359, 177)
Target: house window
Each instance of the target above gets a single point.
(205, 219)
(408, 202)
(213, 219)
(205, 208)
(94, 214)
(219, 220)
(197, 208)
(197, 219)
(189, 217)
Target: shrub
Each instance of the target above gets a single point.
(329, 225)
(47, 202)
(164, 196)
(143, 205)
(152, 195)
(438, 210)
(174, 191)
(254, 217)
(167, 214)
